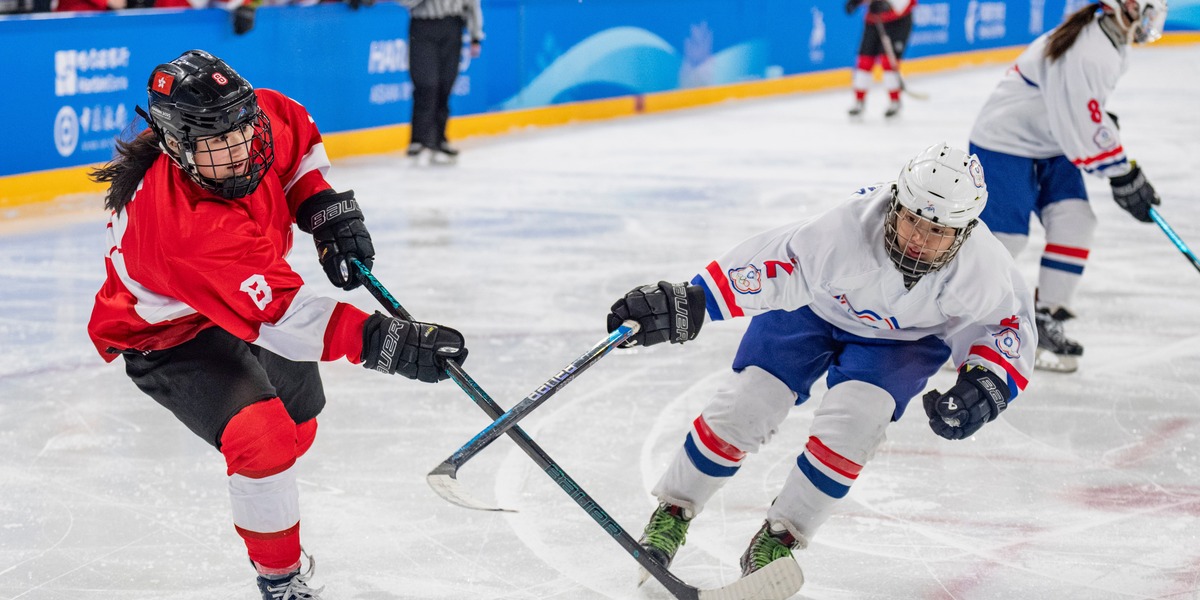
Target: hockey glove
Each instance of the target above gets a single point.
(978, 397)
(415, 350)
(879, 7)
(1134, 194)
(337, 227)
(852, 5)
(670, 312)
(243, 19)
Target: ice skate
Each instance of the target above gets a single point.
(293, 586)
(893, 109)
(1055, 351)
(770, 544)
(444, 154)
(663, 536)
(856, 109)
(419, 154)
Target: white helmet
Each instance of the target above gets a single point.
(944, 187)
(1144, 19)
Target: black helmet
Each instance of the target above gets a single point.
(195, 101)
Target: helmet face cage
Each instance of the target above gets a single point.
(1144, 19)
(231, 164)
(208, 120)
(927, 246)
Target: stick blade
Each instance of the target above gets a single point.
(444, 482)
(777, 581)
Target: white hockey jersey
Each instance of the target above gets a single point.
(836, 265)
(1043, 109)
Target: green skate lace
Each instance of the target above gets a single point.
(767, 549)
(665, 532)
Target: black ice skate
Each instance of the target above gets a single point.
(293, 586)
(444, 154)
(664, 534)
(856, 109)
(893, 109)
(769, 545)
(1055, 351)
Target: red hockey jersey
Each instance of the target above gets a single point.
(181, 260)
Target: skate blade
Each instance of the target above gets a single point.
(1055, 363)
(643, 576)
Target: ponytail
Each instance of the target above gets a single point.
(1064, 36)
(124, 172)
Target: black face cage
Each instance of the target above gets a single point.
(915, 267)
(258, 154)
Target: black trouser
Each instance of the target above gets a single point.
(207, 380)
(898, 31)
(434, 52)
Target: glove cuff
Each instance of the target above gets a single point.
(990, 386)
(325, 208)
(1129, 182)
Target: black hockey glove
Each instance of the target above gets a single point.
(415, 350)
(670, 312)
(337, 227)
(243, 19)
(879, 7)
(852, 5)
(978, 397)
(1134, 194)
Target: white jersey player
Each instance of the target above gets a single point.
(1044, 123)
(877, 294)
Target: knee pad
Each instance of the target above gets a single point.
(748, 407)
(260, 440)
(1069, 223)
(852, 419)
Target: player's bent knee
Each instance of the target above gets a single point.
(748, 407)
(260, 440)
(853, 419)
(306, 433)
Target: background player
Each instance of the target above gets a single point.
(877, 293)
(896, 18)
(1043, 123)
(210, 319)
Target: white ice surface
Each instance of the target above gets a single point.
(1088, 487)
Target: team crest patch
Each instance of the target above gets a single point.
(1008, 343)
(976, 171)
(746, 280)
(1105, 139)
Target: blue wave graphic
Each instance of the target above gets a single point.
(621, 60)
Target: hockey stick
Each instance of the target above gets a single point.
(777, 581)
(1174, 237)
(449, 467)
(453, 493)
(890, 51)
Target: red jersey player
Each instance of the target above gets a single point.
(209, 318)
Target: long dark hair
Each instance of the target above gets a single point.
(1064, 36)
(123, 172)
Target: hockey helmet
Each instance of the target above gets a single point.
(207, 119)
(1144, 19)
(936, 202)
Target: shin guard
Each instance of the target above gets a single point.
(260, 449)
(847, 429)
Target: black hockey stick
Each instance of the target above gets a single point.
(777, 581)
(449, 467)
(456, 373)
(1175, 239)
(890, 51)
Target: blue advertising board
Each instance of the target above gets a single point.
(80, 77)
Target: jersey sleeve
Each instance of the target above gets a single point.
(236, 278)
(1002, 339)
(760, 274)
(1076, 88)
(300, 159)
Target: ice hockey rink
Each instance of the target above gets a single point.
(1088, 487)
